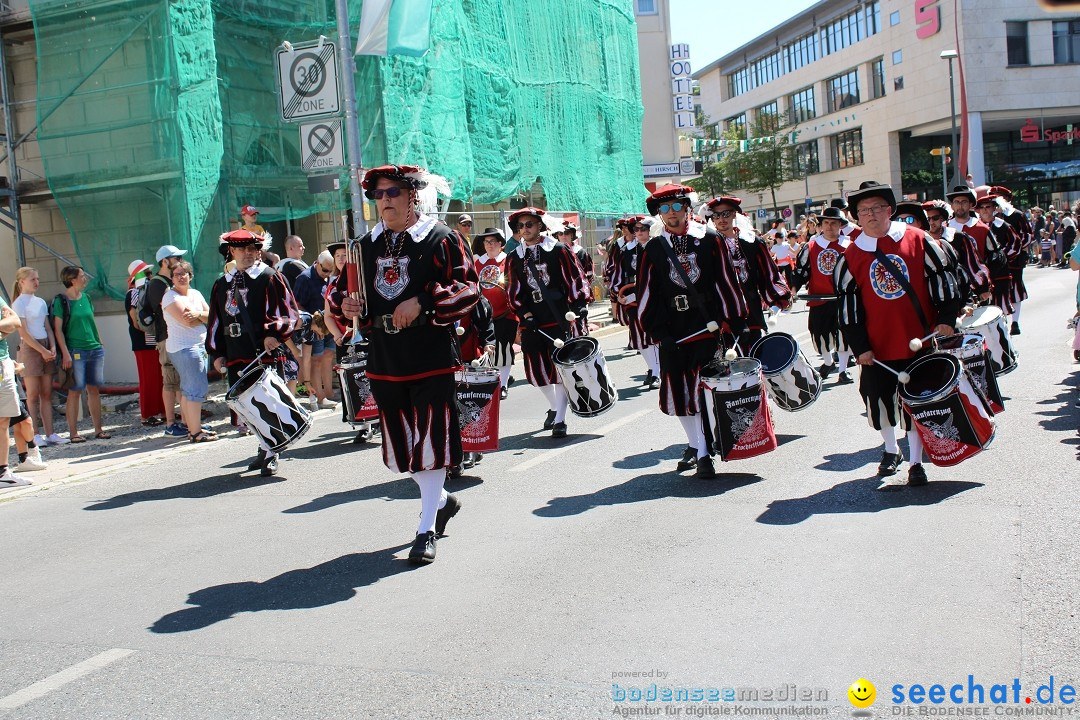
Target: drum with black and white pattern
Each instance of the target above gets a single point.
(261, 397)
(584, 374)
(792, 381)
(990, 322)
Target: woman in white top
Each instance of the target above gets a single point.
(37, 352)
(186, 313)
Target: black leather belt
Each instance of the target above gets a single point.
(386, 323)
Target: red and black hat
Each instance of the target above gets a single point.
(988, 199)
(668, 193)
(1002, 191)
(411, 175)
(731, 200)
(910, 207)
(512, 221)
(961, 191)
(940, 205)
(239, 238)
(870, 189)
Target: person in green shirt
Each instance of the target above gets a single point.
(80, 348)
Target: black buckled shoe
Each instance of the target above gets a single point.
(890, 463)
(269, 467)
(502, 394)
(558, 430)
(1015, 329)
(361, 437)
(423, 548)
(447, 511)
(651, 380)
(689, 460)
(844, 378)
(826, 370)
(453, 472)
(467, 461)
(916, 476)
(477, 457)
(257, 463)
(705, 469)
(549, 422)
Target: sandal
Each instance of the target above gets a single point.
(153, 421)
(102, 436)
(201, 436)
(77, 439)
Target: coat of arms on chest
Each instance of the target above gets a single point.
(391, 276)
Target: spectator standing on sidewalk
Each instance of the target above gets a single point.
(143, 347)
(186, 314)
(293, 263)
(318, 353)
(37, 353)
(168, 257)
(81, 349)
(11, 411)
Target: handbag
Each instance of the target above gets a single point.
(65, 377)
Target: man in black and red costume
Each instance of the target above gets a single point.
(418, 281)
(679, 317)
(251, 311)
(545, 285)
(879, 317)
(1017, 263)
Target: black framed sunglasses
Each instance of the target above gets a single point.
(935, 218)
(528, 224)
(391, 192)
(725, 214)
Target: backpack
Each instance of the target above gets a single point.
(145, 314)
(65, 310)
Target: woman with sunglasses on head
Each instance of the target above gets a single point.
(545, 282)
(682, 318)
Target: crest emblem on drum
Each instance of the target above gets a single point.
(882, 281)
(689, 266)
(742, 419)
(391, 276)
(826, 261)
(231, 305)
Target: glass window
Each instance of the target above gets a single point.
(846, 149)
(842, 90)
(897, 57)
(1067, 42)
(646, 7)
(851, 28)
(801, 106)
(804, 159)
(739, 121)
(894, 18)
(877, 75)
(1016, 39)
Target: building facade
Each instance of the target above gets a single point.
(863, 91)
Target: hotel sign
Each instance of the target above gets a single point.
(682, 98)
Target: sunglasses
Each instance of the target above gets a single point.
(909, 219)
(641, 228)
(935, 218)
(725, 214)
(672, 207)
(391, 192)
(528, 224)
(466, 222)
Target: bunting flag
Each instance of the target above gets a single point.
(394, 27)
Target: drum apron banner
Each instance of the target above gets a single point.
(478, 410)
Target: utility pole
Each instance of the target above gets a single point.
(347, 66)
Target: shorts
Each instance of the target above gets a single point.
(191, 365)
(170, 379)
(35, 364)
(9, 391)
(88, 368)
(321, 344)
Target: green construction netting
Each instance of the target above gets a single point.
(158, 119)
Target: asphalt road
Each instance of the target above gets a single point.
(179, 589)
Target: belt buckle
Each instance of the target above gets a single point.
(682, 303)
(388, 325)
(233, 330)
(537, 296)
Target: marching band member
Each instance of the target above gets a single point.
(1018, 262)
(419, 281)
(584, 257)
(814, 270)
(879, 315)
(631, 263)
(987, 255)
(762, 284)
(679, 316)
(251, 311)
(491, 268)
(972, 277)
(476, 340)
(1002, 236)
(545, 283)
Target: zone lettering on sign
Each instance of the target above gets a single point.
(308, 81)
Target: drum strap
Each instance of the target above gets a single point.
(698, 300)
(898, 276)
(544, 291)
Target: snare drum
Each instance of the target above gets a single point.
(793, 382)
(971, 351)
(736, 414)
(953, 419)
(478, 408)
(360, 404)
(263, 400)
(989, 322)
(585, 376)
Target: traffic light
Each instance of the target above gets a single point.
(936, 152)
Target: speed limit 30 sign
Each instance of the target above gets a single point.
(307, 80)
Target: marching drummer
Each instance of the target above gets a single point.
(1008, 243)
(685, 319)
(546, 286)
(419, 281)
(251, 311)
(814, 270)
(624, 287)
(491, 268)
(893, 286)
(476, 340)
(762, 284)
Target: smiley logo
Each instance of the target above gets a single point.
(862, 693)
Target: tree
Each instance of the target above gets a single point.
(766, 162)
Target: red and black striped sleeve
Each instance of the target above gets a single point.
(455, 290)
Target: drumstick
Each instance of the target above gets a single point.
(570, 316)
(816, 297)
(916, 344)
(902, 376)
(711, 327)
(555, 341)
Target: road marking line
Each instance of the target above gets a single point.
(54, 682)
(554, 452)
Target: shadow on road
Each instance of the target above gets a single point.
(644, 488)
(204, 488)
(1060, 414)
(400, 489)
(860, 496)
(845, 462)
(649, 459)
(331, 582)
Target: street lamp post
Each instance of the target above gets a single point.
(352, 126)
(950, 55)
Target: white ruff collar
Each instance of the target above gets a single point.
(252, 272)
(693, 229)
(869, 244)
(823, 243)
(484, 258)
(420, 229)
(547, 244)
